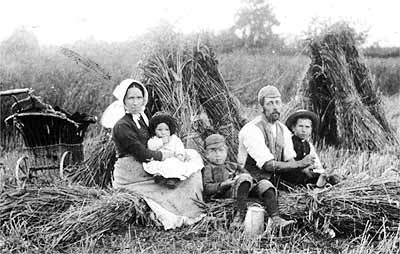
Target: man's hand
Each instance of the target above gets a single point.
(309, 171)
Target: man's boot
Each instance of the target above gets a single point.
(271, 205)
(280, 222)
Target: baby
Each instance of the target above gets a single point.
(162, 129)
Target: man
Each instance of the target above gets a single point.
(266, 150)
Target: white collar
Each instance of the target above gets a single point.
(136, 118)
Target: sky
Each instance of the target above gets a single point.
(56, 22)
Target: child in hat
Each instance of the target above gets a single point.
(222, 179)
(162, 129)
(302, 123)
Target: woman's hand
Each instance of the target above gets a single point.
(155, 143)
(165, 139)
(167, 154)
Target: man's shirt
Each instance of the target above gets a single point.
(252, 142)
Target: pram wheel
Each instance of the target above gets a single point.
(66, 160)
(22, 171)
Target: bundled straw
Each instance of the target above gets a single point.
(369, 94)
(220, 105)
(339, 89)
(97, 170)
(219, 215)
(168, 89)
(26, 211)
(64, 215)
(112, 213)
(349, 206)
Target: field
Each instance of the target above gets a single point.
(78, 89)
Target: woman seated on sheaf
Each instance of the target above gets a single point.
(130, 133)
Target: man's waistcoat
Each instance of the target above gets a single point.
(275, 145)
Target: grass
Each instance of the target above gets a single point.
(247, 73)
(145, 240)
(387, 76)
(392, 113)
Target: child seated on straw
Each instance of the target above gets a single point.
(222, 179)
(302, 123)
(162, 129)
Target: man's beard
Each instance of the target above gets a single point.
(274, 116)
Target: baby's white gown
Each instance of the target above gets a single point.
(173, 167)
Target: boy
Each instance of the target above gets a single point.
(223, 179)
(302, 123)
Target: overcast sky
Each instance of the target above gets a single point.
(65, 21)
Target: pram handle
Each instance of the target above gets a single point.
(16, 91)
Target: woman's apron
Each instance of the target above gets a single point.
(173, 207)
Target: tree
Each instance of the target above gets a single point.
(254, 23)
(21, 44)
(227, 41)
(318, 27)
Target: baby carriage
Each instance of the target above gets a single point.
(52, 137)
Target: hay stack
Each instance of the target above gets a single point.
(169, 90)
(187, 83)
(97, 170)
(338, 87)
(214, 95)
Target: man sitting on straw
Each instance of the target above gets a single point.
(266, 150)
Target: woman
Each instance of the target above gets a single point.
(126, 117)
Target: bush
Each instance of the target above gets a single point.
(386, 74)
(382, 52)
